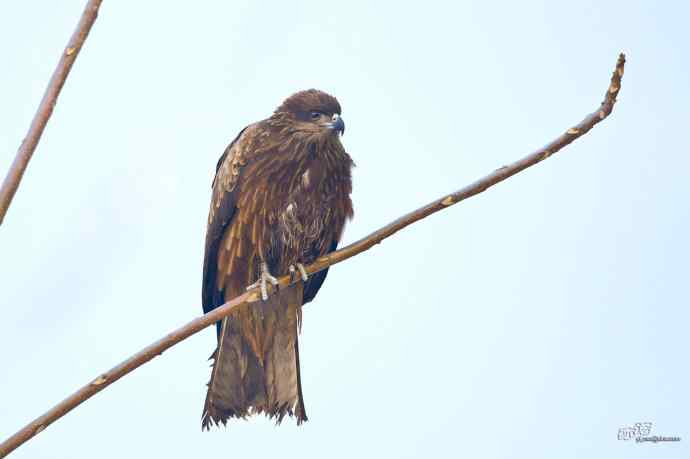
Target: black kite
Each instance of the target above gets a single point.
(281, 197)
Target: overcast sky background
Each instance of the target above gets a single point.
(533, 320)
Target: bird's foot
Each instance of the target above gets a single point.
(264, 277)
(302, 272)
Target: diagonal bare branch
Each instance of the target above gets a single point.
(246, 299)
(45, 108)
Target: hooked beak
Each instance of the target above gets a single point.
(338, 124)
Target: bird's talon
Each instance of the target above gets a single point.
(264, 277)
(303, 272)
(272, 279)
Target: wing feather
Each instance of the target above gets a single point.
(225, 195)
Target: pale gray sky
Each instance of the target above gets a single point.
(534, 320)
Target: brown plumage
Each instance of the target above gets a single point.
(281, 196)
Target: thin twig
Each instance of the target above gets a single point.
(157, 348)
(45, 108)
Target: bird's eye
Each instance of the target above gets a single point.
(315, 115)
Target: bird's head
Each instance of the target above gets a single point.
(312, 111)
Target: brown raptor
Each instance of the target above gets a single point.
(281, 197)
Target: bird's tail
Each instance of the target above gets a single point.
(256, 364)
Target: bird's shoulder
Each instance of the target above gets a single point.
(251, 142)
